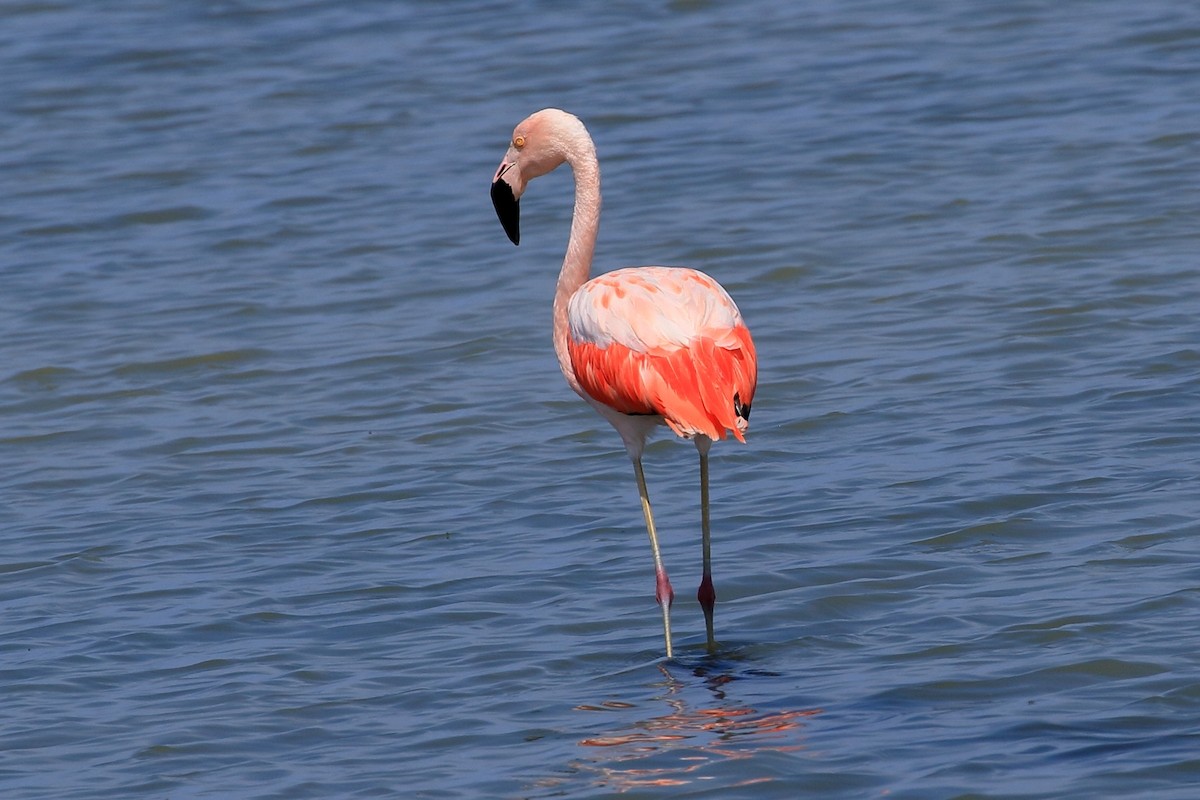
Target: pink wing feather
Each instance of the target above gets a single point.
(666, 341)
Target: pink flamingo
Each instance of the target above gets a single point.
(644, 346)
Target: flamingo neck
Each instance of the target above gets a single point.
(581, 246)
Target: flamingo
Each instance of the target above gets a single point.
(645, 346)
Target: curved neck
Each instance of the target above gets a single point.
(581, 246)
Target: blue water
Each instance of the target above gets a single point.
(295, 503)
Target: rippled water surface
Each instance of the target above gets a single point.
(295, 503)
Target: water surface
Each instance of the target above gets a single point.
(296, 504)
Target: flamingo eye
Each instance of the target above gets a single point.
(518, 141)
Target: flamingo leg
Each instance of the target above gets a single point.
(706, 594)
(664, 595)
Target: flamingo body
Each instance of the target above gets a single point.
(664, 341)
(644, 346)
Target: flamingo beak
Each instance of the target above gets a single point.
(507, 187)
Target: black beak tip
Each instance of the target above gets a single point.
(508, 209)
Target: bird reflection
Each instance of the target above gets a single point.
(674, 748)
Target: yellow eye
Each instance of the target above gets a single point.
(518, 141)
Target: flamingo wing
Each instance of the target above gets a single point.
(665, 341)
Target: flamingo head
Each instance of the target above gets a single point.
(539, 144)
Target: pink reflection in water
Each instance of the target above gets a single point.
(676, 747)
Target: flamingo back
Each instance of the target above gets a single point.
(667, 341)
